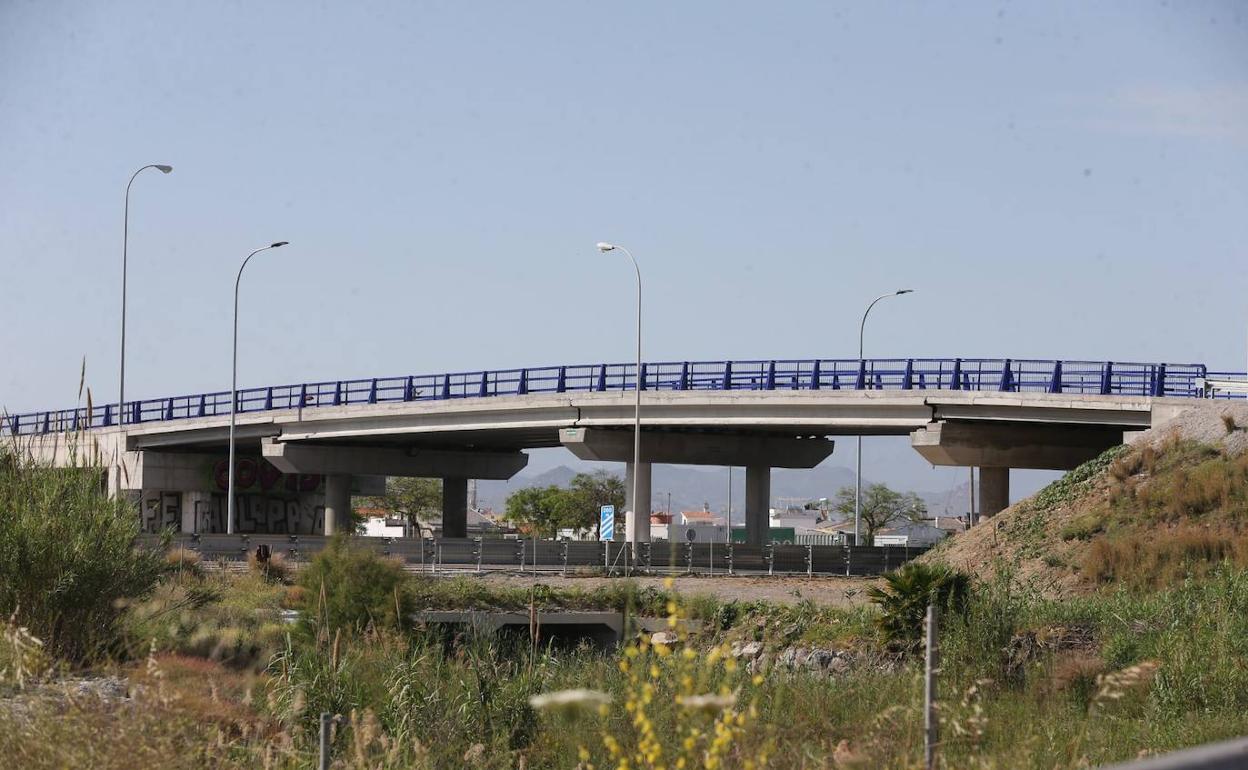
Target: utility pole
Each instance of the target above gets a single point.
(931, 664)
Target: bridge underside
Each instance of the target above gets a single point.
(303, 466)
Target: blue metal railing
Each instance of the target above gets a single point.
(977, 374)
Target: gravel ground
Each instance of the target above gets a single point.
(827, 591)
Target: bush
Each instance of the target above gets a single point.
(68, 558)
(350, 587)
(907, 592)
(235, 620)
(275, 569)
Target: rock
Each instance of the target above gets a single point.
(839, 665)
(820, 659)
(750, 650)
(760, 665)
(792, 631)
(666, 638)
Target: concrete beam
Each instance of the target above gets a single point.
(392, 461)
(1004, 445)
(697, 448)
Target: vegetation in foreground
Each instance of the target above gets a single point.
(212, 673)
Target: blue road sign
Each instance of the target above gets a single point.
(606, 524)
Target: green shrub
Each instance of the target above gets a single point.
(1068, 487)
(1084, 526)
(350, 587)
(68, 557)
(907, 592)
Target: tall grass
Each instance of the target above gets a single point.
(68, 556)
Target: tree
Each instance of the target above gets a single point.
(538, 509)
(881, 506)
(414, 498)
(587, 493)
(545, 510)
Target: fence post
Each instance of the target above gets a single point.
(810, 560)
(931, 662)
(848, 552)
(564, 553)
(479, 546)
(730, 559)
(323, 758)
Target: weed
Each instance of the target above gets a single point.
(68, 557)
(907, 593)
(353, 588)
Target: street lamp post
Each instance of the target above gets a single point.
(229, 503)
(858, 471)
(125, 246)
(638, 526)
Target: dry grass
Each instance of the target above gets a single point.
(185, 560)
(1150, 559)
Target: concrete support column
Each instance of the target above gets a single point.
(637, 525)
(757, 504)
(994, 491)
(454, 506)
(337, 503)
(196, 512)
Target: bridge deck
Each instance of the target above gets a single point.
(918, 375)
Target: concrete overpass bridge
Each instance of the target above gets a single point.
(304, 448)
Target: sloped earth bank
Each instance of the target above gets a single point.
(1165, 506)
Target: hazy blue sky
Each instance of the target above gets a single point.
(1055, 179)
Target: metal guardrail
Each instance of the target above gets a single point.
(1226, 755)
(978, 374)
(562, 556)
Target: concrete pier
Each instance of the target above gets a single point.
(637, 525)
(994, 491)
(454, 506)
(757, 504)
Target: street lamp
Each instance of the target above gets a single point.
(125, 245)
(858, 472)
(229, 503)
(639, 526)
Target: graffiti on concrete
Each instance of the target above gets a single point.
(262, 514)
(161, 511)
(255, 514)
(252, 474)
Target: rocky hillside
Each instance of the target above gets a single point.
(1171, 504)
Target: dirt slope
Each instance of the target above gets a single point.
(1168, 505)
